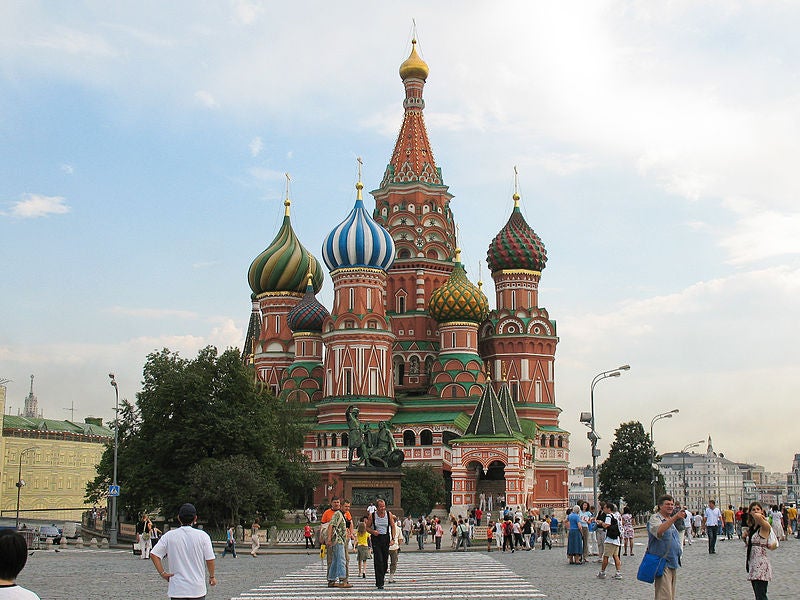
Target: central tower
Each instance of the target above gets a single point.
(414, 205)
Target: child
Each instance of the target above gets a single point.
(13, 556)
(489, 536)
(362, 547)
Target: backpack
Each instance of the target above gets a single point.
(612, 530)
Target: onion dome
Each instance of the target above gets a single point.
(458, 299)
(414, 66)
(358, 241)
(309, 313)
(516, 246)
(282, 267)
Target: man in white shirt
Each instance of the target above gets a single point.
(187, 549)
(713, 519)
(612, 542)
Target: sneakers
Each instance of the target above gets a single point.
(601, 575)
(617, 575)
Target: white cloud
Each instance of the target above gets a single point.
(75, 42)
(33, 206)
(67, 169)
(206, 99)
(245, 12)
(762, 234)
(256, 145)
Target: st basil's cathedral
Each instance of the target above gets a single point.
(411, 341)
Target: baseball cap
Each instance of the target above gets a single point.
(187, 512)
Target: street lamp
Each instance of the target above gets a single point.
(666, 415)
(683, 468)
(20, 482)
(112, 532)
(588, 420)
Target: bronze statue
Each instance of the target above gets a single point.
(374, 449)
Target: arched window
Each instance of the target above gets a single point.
(334, 439)
(324, 440)
(552, 441)
(319, 441)
(426, 437)
(448, 436)
(409, 438)
(404, 253)
(560, 441)
(544, 441)
(345, 440)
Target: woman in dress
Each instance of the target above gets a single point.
(254, 543)
(757, 536)
(575, 538)
(626, 522)
(777, 523)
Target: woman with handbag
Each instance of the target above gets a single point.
(759, 537)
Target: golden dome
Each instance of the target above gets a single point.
(414, 66)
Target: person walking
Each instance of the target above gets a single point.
(626, 524)
(336, 546)
(544, 532)
(757, 537)
(713, 518)
(381, 526)
(230, 542)
(255, 544)
(663, 539)
(574, 537)
(190, 554)
(489, 535)
(612, 542)
(586, 517)
(688, 527)
(394, 548)
(408, 525)
(308, 534)
(362, 547)
(438, 533)
(147, 543)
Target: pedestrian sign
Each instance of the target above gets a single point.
(113, 490)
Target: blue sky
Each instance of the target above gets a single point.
(143, 149)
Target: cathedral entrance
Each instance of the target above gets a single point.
(490, 484)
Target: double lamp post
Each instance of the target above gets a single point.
(588, 420)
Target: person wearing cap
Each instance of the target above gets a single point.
(187, 549)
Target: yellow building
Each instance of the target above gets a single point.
(56, 458)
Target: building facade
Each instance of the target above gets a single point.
(695, 478)
(410, 340)
(55, 459)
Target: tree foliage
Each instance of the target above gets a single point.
(422, 488)
(627, 472)
(202, 431)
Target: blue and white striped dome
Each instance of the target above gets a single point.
(358, 241)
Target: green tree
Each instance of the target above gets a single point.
(626, 473)
(193, 419)
(422, 488)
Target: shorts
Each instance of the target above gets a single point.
(610, 550)
(363, 553)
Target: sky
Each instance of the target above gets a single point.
(143, 147)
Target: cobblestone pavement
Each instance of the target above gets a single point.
(116, 574)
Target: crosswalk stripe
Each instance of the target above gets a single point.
(419, 576)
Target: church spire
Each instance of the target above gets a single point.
(412, 159)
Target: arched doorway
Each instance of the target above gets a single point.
(491, 482)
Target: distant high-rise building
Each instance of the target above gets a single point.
(31, 405)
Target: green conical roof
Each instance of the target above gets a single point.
(507, 405)
(489, 418)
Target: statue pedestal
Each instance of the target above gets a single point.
(362, 485)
